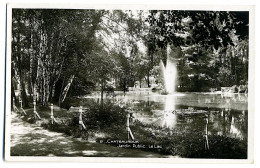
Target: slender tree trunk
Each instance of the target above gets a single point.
(102, 92)
(62, 86)
(23, 95)
(66, 89)
(42, 69)
(56, 78)
(148, 81)
(148, 78)
(44, 87)
(31, 55)
(12, 95)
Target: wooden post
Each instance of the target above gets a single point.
(51, 109)
(53, 119)
(80, 118)
(52, 114)
(206, 134)
(14, 104)
(34, 95)
(131, 117)
(129, 132)
(34, 105)
(80, 114)
(34, 110)
(15, 108)
(127, 125)
(21, 102)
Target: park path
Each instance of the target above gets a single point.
(32, 140)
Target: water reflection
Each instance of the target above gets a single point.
(234, 130)
(227, 114)
(169, 119)
(231, 123)
(169, 103)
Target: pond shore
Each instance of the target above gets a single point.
(32, 140)
(159, 141)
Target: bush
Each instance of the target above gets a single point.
(99, 116)
(189, 144)
(71, 101)
(109, 89)
(164, 92)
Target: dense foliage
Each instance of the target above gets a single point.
(210, 48)
(64, 53)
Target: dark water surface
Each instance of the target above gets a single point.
(225, 115)
(219, 122)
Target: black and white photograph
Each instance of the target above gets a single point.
(173, 84)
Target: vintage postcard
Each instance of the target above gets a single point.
(130, 83)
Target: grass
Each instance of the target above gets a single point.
(110, 119)
(187, 145)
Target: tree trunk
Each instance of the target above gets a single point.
(148, 79)
(62, 86)
(24, 95)
(66, 89)
(31, 55)
(38, 84)
(102, 92)
(12, 96)
(19, 77)
(56, 78)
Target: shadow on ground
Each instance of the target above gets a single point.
(32, 140)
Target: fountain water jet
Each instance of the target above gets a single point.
(169, 72)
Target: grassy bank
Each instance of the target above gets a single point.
(107, 122)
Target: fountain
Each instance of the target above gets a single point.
(169, 72)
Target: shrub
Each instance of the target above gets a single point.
(99, 116)
(71, 101)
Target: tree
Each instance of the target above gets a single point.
(222, 33)
(185, 27)
(122, 33)
(141, 64)
(48, 46)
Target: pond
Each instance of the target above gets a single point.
(212, 114)
(189, 125)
